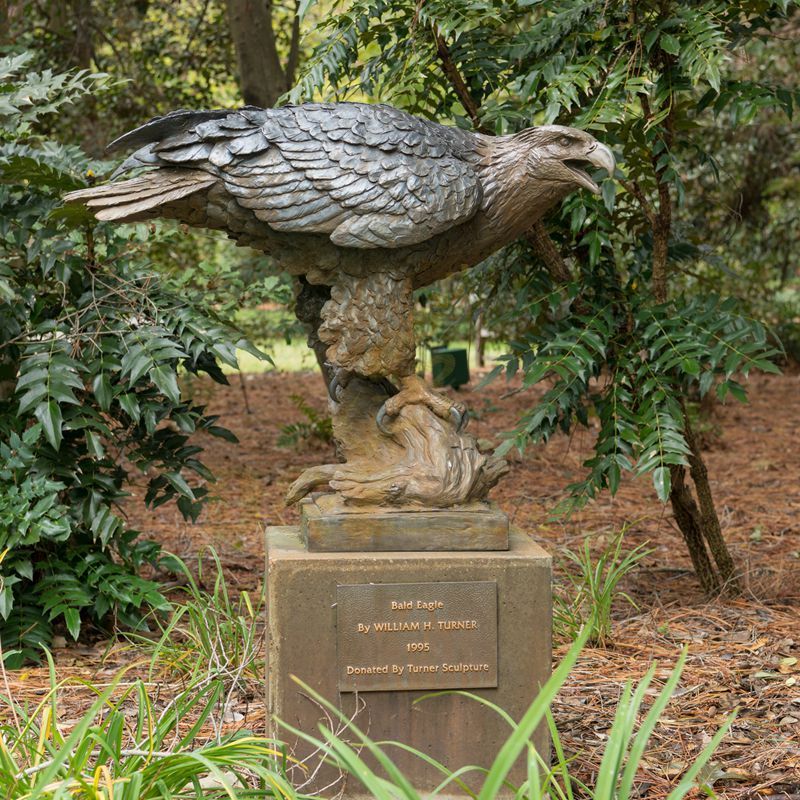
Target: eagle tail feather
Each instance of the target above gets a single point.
(140, 197)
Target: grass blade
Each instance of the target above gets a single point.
(515, 743)
(649, 723)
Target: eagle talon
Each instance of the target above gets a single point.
(460, 418)
(379, 420)
(339, 382)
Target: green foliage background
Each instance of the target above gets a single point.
(92, 346)
(673, 284)
(630, 331)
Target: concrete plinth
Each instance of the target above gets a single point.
(328, 525)
(302, 592)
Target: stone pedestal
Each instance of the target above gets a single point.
(328, 525)
(416, 622)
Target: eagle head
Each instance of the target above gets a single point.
(560, 155)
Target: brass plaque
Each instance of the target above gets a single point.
(417, 636)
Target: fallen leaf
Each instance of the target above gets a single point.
(787, 665)
(709, 774)
(675, 768)
(741, 637)
(735, 774)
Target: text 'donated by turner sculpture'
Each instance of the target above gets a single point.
(363, 204)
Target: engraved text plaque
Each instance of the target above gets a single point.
(417, 636)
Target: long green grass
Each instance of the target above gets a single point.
(210, 634)
(127, 746)
(594, 588)
(616, 777)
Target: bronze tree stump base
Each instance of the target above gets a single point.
(421, 461)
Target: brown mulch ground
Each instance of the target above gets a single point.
(743, 653)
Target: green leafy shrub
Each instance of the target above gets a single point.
(316, 427)
(597, 305)
(92, 342)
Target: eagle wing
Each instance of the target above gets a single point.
(369, 176)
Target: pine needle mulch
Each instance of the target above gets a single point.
(743, 653)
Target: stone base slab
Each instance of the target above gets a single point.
(328, 525)
(302, 640)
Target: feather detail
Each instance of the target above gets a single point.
(146, 193)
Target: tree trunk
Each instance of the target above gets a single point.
(7, 387)
(709, 520)
(4, 19)
(661, 232)
(687, 517)
(699, 524)
(294, 48)
(261, 75)
(9, 366)
(84, 46)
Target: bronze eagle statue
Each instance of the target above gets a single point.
(363, 204)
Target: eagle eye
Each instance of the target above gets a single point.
(565, 141)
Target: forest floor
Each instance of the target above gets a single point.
(743, 653)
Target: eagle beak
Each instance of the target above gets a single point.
(598, 155)
(602, 157)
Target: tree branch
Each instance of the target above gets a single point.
(538, 237)
(632, 187)
(294, 48)
(196, 27)
(662, 220)
(456, 80)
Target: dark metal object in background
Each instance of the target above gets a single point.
(369, 203)
(449, 367)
